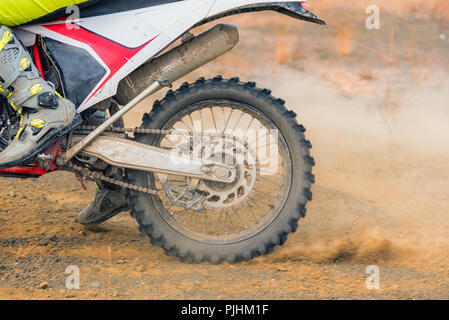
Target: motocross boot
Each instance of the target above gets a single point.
(106, 204)
(44, 116)
(109, 200)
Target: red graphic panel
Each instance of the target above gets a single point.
(114, 55)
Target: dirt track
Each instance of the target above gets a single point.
(381, 198)
(375, 202)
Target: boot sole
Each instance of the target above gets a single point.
(45, 142)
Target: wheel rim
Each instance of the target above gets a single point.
(260, 208)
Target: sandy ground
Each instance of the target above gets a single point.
(376, 202)
(381, 199)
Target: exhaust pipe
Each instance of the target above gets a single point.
(180, 61)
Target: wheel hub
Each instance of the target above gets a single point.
(221, 195)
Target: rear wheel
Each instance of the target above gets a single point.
(215, 221)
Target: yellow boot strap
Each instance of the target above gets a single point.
(37, 123)
(24, 63)
(36, 89)
(7, 36)
(22, 127)
(12, 103)
(20, 97)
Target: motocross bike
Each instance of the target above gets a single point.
(219, 170)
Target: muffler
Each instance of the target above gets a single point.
(180, 61)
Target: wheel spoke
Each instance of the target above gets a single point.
(267, 180)
(213, 118)
(238, 121)
(228, 210)
(252, 212)
(227, 121)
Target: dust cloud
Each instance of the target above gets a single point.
(382, 172)
(368, 246)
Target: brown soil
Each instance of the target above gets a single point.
(381, 197)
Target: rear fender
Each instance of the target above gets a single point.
(293, 9)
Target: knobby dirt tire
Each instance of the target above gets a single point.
(189, 250)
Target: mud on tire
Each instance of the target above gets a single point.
(175, 243)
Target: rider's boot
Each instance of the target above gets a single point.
(109, 200)
(44, 116)
(106, 204)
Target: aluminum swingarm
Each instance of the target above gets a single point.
(125, 153)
